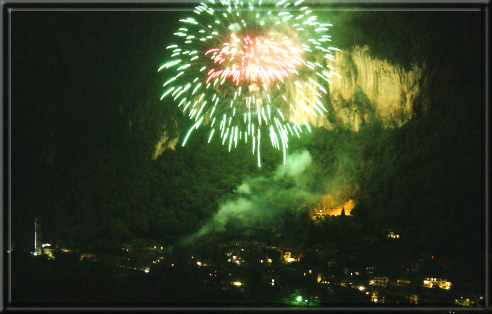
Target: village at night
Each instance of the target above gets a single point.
(259, 154)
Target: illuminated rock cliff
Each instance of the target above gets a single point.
(369, 88)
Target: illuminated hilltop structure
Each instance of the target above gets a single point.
(321, 211)
(441, 283)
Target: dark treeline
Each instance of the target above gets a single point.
(86, 118)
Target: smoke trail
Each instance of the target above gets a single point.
(261, 200)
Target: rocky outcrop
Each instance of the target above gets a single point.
(369, 88)
(164, 143)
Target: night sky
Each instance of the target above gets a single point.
(75, 78)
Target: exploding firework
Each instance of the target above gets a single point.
(244, 68)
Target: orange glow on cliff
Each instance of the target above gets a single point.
(323, 209)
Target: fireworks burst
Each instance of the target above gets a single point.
(243, 67)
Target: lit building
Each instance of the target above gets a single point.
(441, 283)
(156, 247)
(236, 259)
(393, 235)
(289, 257)
(324, 281)
(379, 281)
(413, 299)
(462, 302)
(402, 282)
(345, 283)
(374, 297)
(47, 249)
(237, 283)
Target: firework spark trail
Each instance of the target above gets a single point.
(258, 60)
(240, 66)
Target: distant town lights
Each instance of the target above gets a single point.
(442, 283)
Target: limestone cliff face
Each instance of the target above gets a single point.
(369, 88)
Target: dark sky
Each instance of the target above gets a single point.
(67, 67)
(75, 76)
